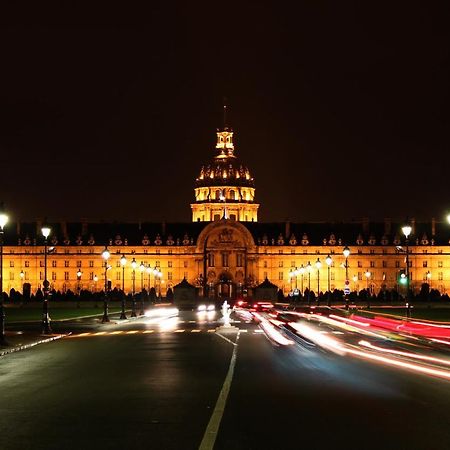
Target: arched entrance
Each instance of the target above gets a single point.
(226, 265)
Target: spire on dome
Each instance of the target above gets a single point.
(225, 137)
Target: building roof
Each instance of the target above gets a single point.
(360, 232)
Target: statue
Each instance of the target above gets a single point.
(226, 311)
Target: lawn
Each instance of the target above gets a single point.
(35, 314)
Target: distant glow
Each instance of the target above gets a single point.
(3, 220)
(46, 231)
(106, 254)
(448, 218)
(406, 230)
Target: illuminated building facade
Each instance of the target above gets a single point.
(225, 251)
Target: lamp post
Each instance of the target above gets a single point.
(302, 272)
(346, 253)
(406, 229)
(308, 269)
(157, 273)
(3, 221)
(133, 299)
(105, 256)
(46, 329)
(123, 263)
(79, 273)
(149, 271)
(429, 278)
(369, 293)
(95, 283)
(142, 269)
(328, 261)
(318, 266)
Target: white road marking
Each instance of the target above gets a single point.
(212, 429)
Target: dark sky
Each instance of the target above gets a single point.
(339, 112)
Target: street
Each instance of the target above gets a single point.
(154, 383)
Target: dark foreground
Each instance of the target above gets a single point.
(158, 390)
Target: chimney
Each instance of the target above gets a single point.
(433, 227)
(163, 228)
(387, 226)
(365, 225)
(287, 230)
(64, 229)
(413, 226)
(84, 227)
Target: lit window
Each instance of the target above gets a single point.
(440, 264)
(66, 263)
(280, 275)
(424, 263)
(185, 263)
(53, 263)
(91, 263)
(169, 263)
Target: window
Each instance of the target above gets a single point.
(232, 195)
(210, 259)
(41, 276)
(332, 275)
(372, 263)
(11, 276)
(146, 251)
(91, 263)
(185, 275)
(66, 276)
(169, 275)
(66, 263)
(359, 264)
(424, 263)
(169, 263)
(66, 251)
(280, 275)
(78, 263)
(27, 276)
(359, 251)
(53, 263)
(384, 264)
(292, 263)
(239, 260)
(440, 251)
(372, 251)
(440, 264)
(158, 251)
(27, 263)
(440, 276)
(280, 251)
(118, 264)
(185, 263)
(359, 276)
(157, 264)
(397, 264)
(41, 264)
(280, 263)
(11, 264)
(265, 275)
(91, 275)
(265, 265)
(216, 217)
(225, 259)
(170, 251)
(53, 276)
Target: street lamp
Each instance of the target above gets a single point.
(123, 263)
(318, 266)
(367, 274)
(346, 253)
(3, 221)
(149, 271)
(301, 271)
(133, 300)
(46, 329)
(142, 269)
(95, 283)
(79, 273)
(105, 256)
(429, 278)
(406, 229)
(329, 261)
(292, 275)
(308, 269)
(157, 273)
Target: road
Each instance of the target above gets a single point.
(153, 383)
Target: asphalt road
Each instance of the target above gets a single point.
(154, 384)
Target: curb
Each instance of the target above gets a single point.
(26, 346)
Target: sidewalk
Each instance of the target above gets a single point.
(21, 340)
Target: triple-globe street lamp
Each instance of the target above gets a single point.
(346, 253)
(46, 329)
(133, 296)
(142, 269)
(318, 266)
(308, 269)
(406, 230)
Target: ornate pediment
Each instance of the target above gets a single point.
(226, 237)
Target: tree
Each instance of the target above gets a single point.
(169, 295)
(280, 296)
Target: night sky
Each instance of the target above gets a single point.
(339, 112)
